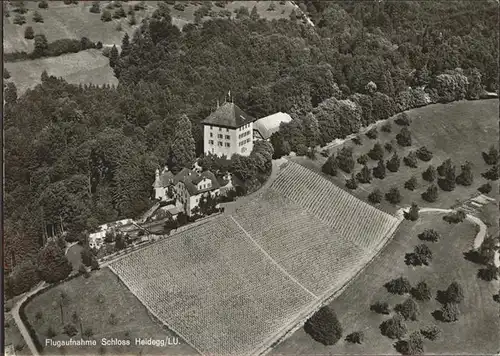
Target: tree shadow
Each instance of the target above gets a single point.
(441, 297)
(438, 315)
(401, 346)
(474, 256)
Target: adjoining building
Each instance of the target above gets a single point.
(96, 239)
(187, 187)
(228, 130)
(263, 128)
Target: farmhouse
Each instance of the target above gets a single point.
(187, 187)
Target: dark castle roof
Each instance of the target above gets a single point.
(228, 115)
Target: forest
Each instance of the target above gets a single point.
(77, 156)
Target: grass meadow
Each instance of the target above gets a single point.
(459, 130)
(476, 331)
(95, 299)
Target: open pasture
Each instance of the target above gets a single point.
(459, 130)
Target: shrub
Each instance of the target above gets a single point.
(380, 308)
(450, 312)
(422, 255)
(112, 320)
(377, 152)
(19, 19)
(99, 45)
(330, 167)
(489, 273)
(394, 328)
(403, 119)
(50, 332)
(106, 16)
(23, 277)
(364, 176)
(386, 127)
(424, 154)
(6, 74)
(375, 196)
(430, 174)
(388, 147)
(421, 291)
(372, 134)
(454, 293)
(43, 4)
(411, 184)
(491, 174)
(70, 330)
(431, 194)
(351, 183)
(345, 161)
(88, 333)
(324, 326)
(485, 188)
(363, 159)
(413, 346)
(379, 170)
(403, 138)
(393, 196)
(465, 177)
(95, 8)
(455, 218)
(412, 214)
(180, 6)
(394, 163)
(491, 157)
(37, 17)
(411, 160)
(357, 140)
(429, 235)
(356, 337)
(408, 309)
(431, 332)
(399, 286)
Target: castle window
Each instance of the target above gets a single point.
(227, 130)
(228, 144)
(211, 134)
(228, 137)
(211, 127)
(220, 136)
(220, 129)
(220, 143)
(211, 142)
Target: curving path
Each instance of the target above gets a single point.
(478, 240)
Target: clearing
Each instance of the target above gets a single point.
(475, 332)
(459, 130)
(86, 67)
(95, 299)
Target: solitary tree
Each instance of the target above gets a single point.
(324, 326)
(379, 170)
(394, 328)
(19, 19)
(372, 133)
(491, 157)
(412, 214)
(365, 175)
(254, 14)
(96, 7)
(454, 293)
(351, 183)
(424, 154)
(403, 119)
(421, 291)
(330, 167)
(403, 138)
(450, 312)
(465, 177)
(37, 17)
(394, 163)
(29, 34)
(106, 16)
(411, 184)
(429, 174)
(411, 160)
(345, 160)
(363, 159)
(375, 196)
(414, 345)
(429, 235)
(393, 196)
(408, 309)
(43, 4)
(113, 56)
(485, 188)
(380, 307)
(356, 337)
(492, 173)
(431, 194)
(386, 127)
(399, 286)
(377, 152)
(431, 332)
